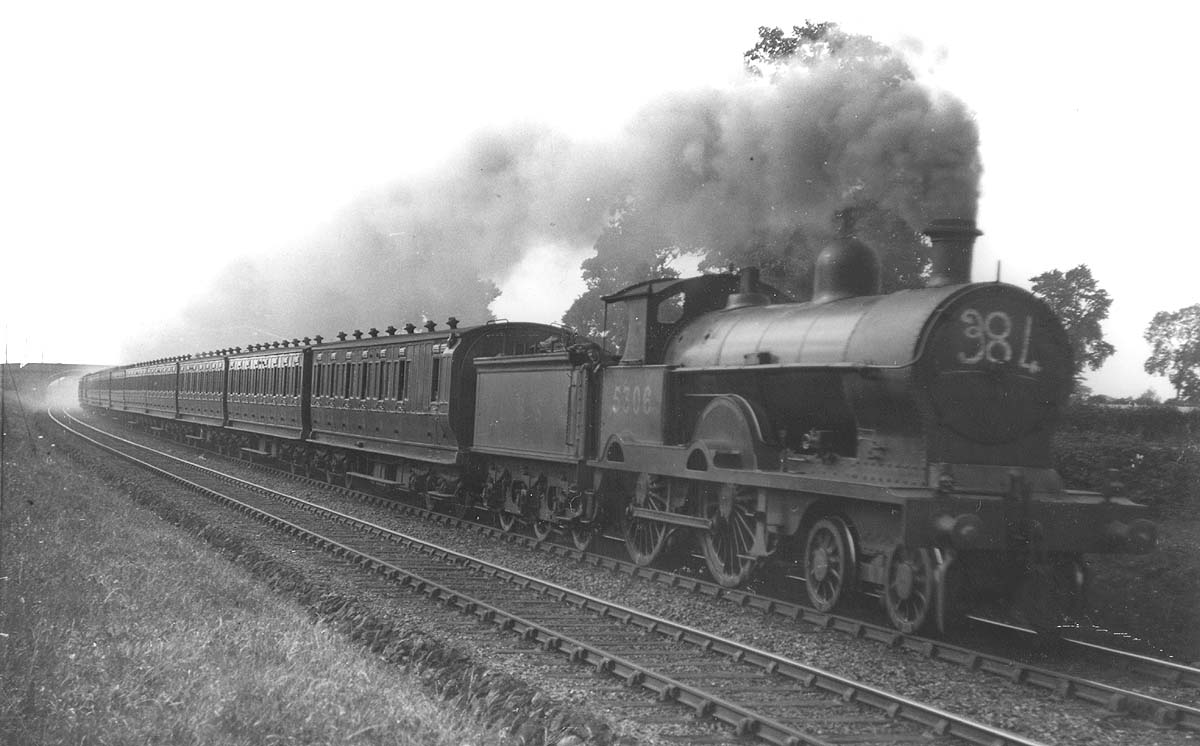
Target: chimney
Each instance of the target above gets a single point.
(748, 291)
(953, 243)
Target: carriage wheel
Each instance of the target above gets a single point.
(727, 545)
(645, 539)
(582, 538)
(828, 563)
(507, 520)
(542, 530)
(908, 592)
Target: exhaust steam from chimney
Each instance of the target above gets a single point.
(705, 169)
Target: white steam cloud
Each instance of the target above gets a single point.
(713, 168)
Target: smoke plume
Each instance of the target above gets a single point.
(714, 168)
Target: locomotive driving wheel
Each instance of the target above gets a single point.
(829, 562)
(908, 594)
(644, 538)
(727, 546)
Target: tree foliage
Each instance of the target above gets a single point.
(1081, 305)
(814, 43)
(628, 251)
(1175, 338)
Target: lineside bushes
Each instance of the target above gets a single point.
(1151, 454)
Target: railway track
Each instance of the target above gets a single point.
(1132, 678)
(754, 692)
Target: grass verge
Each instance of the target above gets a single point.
(121, 629)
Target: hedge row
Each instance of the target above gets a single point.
(1158, 423)
(1162, 474)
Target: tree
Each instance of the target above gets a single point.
(814, 43)
(1148, 397)
(628, 251)
(1175, 338)
(1081, 305)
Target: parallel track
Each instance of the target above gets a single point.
(1110, 697)
(757, 693)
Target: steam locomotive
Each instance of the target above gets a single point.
(896, 445)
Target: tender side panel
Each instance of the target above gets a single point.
(530, 406)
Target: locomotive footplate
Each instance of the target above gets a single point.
(1069, 522)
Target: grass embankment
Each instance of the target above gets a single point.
(120, 629)
(1152, 455)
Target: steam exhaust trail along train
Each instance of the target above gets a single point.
(893, 444)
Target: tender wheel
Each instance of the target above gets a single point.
(908, 595)
(645, 539)
(828, 563)
(519, 495)
(542, 529)
(460, 503)
(727, 545)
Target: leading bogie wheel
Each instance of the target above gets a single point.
(727, 545)
(909, 588)
(829, 563)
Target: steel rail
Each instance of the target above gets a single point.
(745, 721)
(1111, 698)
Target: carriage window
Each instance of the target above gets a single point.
(318, 371)
(364, 371)
(437, 379)
(347, 379)
(401, 370)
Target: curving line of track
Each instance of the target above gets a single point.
(1110, 697)
(755, 692)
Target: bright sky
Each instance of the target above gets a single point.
(144, 145)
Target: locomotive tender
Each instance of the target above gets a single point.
(895, 444)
